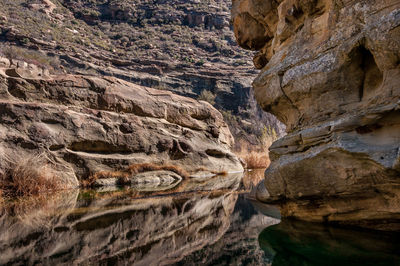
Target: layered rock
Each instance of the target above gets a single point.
(184, 46)
(96, 124)
(331, 73)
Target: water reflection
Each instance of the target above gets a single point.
(128, 227)
(298, 243)
(204, 221)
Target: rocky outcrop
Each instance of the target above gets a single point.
(103, 124)
(331, 73)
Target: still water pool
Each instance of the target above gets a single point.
(203, 222)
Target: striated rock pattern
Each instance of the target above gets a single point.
(94, 124)
(331, 73)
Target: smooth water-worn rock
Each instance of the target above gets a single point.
(103, 124)
(331, 73)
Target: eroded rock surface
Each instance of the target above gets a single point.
(331, 73)
(103, 124)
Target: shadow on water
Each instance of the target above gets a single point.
(299, 243)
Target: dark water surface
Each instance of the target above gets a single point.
(201, 222)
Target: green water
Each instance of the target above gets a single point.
(298, 243)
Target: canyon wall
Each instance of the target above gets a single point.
(330, 71)
(184, 46)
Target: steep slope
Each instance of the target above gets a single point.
(186, 47)
(331, 73)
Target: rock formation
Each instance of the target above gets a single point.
(184, 46)
(93, 124)
(331, 73)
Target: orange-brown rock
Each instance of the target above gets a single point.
(333, 77)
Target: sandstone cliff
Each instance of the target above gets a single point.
(92, 124)
(330, 70)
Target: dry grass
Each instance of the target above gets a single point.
(256, 160)
(223, 173)
(255, 157)
(28, 175)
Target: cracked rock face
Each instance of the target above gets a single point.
(331, 73)
(102, 124)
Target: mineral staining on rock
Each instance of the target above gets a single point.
(103, 124)
(331, 73)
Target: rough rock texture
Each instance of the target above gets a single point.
(101, 124)
(331, 73)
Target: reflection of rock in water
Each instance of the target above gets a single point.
(298, 243)
(239, 245)
(149, 231)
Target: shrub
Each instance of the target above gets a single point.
(256, 160)
(207, 96)
(254, 156)
(30, 175)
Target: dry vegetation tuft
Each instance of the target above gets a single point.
(28, 176)
(255, 157)
(256, 160)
